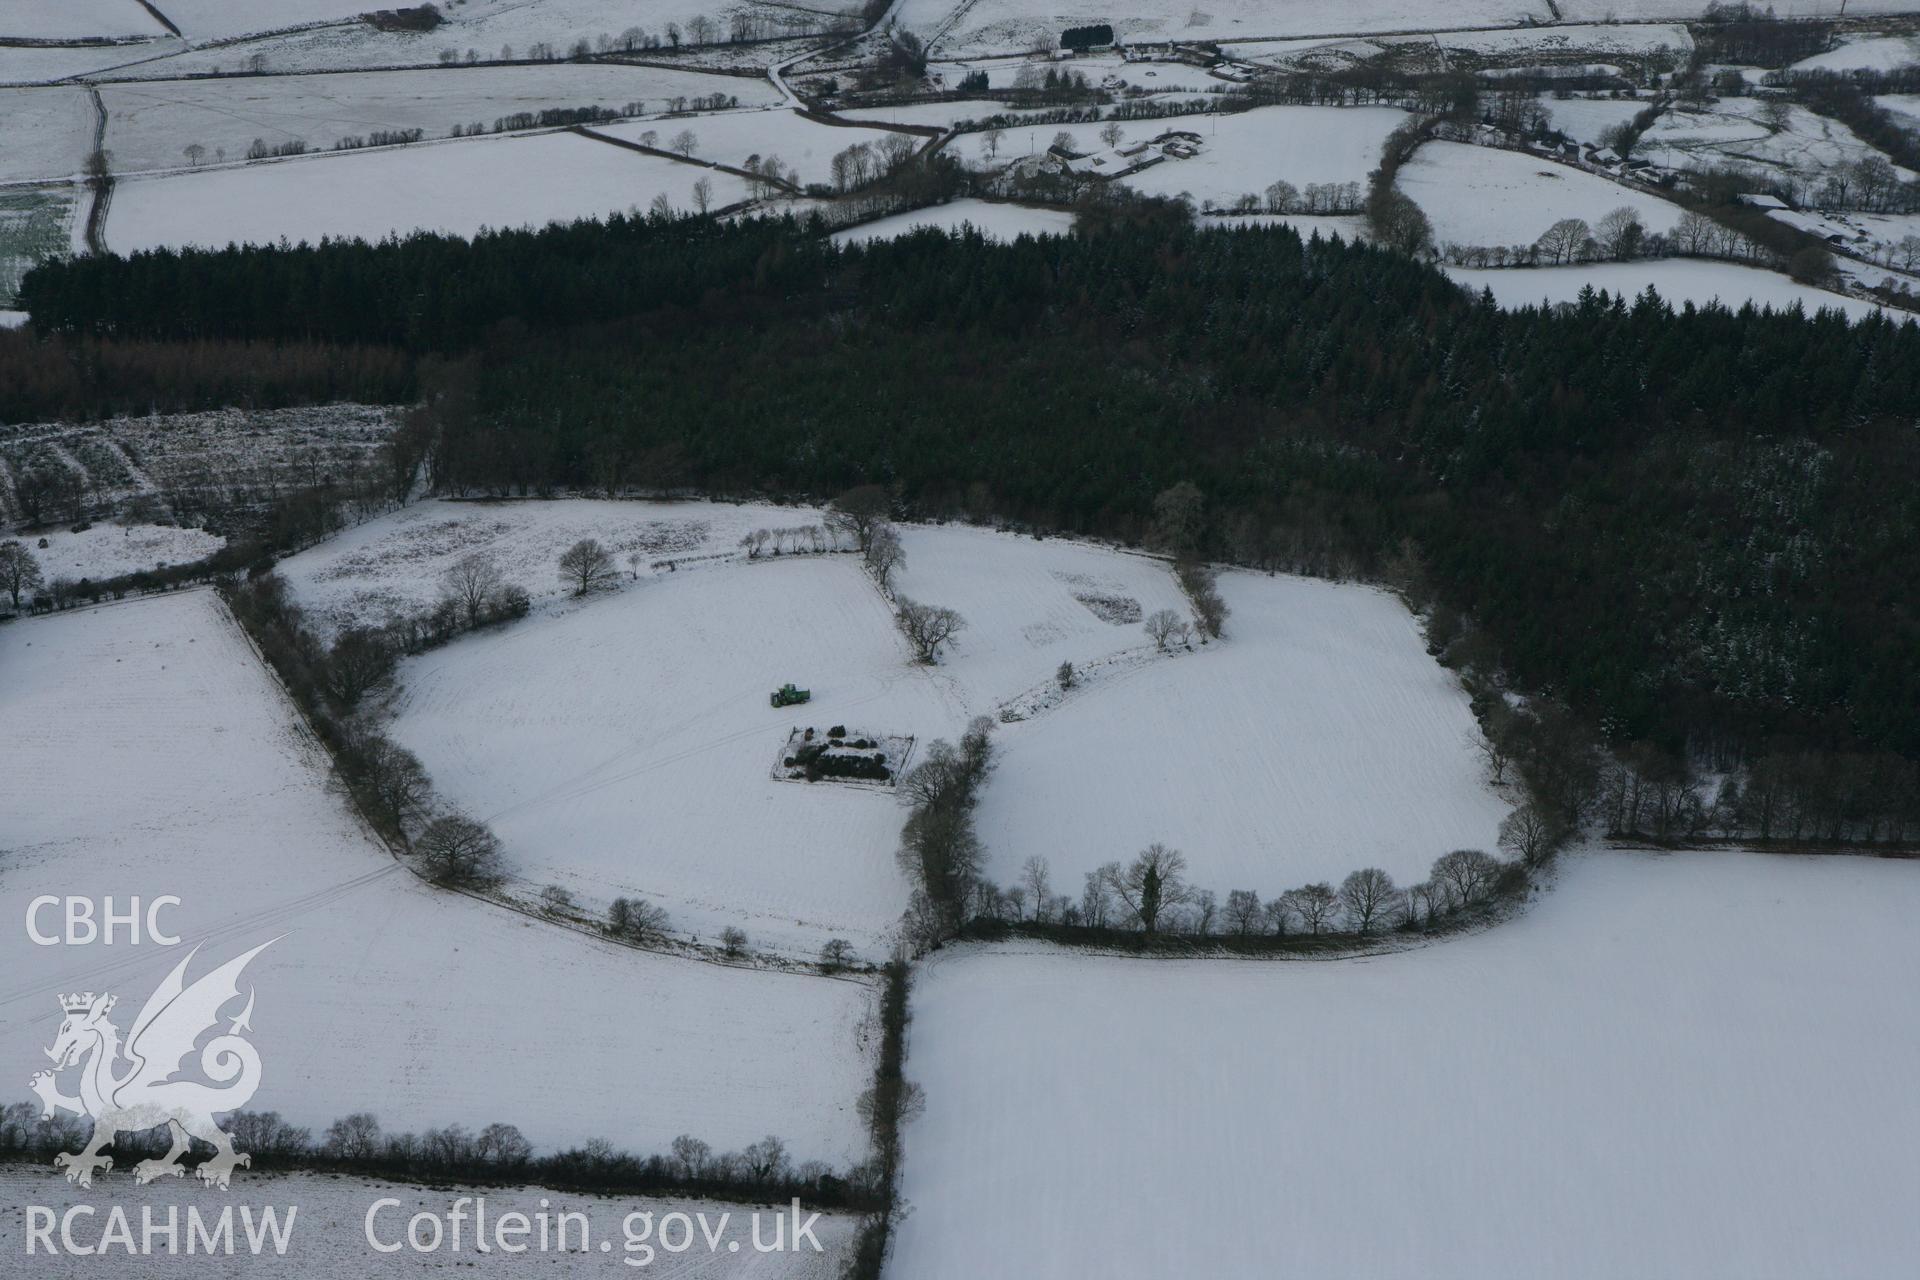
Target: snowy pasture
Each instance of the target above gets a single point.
(1669, 1067)
(150, 122)
(109, 550)
(994, 219)
(397, 564)
(624, 747)
(75, 20)
(1677, 280)
(1485, 196)
(381, 994)
(1317, 739)
(1865, 53)
(622, 744)
(329, 1241)
(1570, 40)
(1588, 119)
(1246, 152)
(732, 138)
(956, 28)
(48, 132)
(454, 187)
(40, 64)
(504, 29)
(1801, 145)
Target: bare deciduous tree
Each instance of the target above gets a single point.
(1313, 903)
(1530, 834)
(456, 850)
(928, 627)
(884, 554)
(858, 512)
(586, 565)
(1465, 875)
(637, 919)
(19, 571)
(1151, 884)
(1243, 912)
(472, 581)
(1160, 626)
(1366, 895)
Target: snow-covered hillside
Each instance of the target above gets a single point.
(381, 995)
(1671, 1066)
(1319, 739)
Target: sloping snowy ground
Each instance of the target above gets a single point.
(624, 747)
(1245, 153)
(108, 550)
(147, 752)
(398, 563)
(1694, 1066)
(456, 187)
(1487, 196)
(1678, 280)
(996, 220)
(956, 28)
(1865, 53)
(328, 1237)
(48, 132)
(1318, 739)
(623, 744)
(1588, 119)
(150, 122)
(75, 20)
(1738, 132)
(733, 137)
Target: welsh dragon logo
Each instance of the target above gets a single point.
(144, 1094)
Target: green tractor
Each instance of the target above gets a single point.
(788, 696)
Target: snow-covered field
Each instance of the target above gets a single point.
(1588, 119)
(1740, 133)
(1485, 196)
(204, 20)
(504, 29)
(624, 745)
(36, 223)
(1670, 1066)
(1865, 53)
(1319, 739)
(383, 995)
(75, 20)
(1246, 152)
(456, 187)
(733, 138)
(38, 64)
(996, 220)
(1570, 40)
(396, 564)
(48, 132)
(328, 1239)
(151, 122)
(955, 28)
(1677, 280)
(109, 550)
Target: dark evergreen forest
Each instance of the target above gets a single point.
(1698, 528)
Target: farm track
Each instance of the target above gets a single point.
(101, 183)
